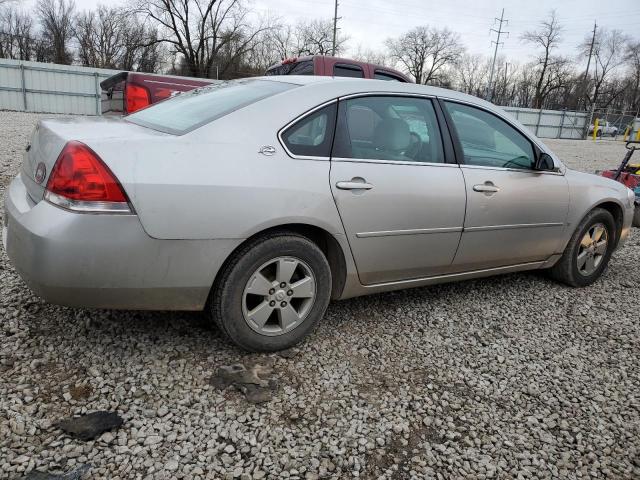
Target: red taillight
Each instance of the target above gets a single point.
(136, 97)
(80, 175)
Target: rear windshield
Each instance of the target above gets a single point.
(190, 110)
(296, 68)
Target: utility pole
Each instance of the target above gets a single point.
(335, 29)
(495, 52)
(586, 72)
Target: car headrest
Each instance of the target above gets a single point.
(361, 122)
(392, 135)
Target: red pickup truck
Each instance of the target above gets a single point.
(127, 92)
(336, 67)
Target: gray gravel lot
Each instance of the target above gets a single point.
(509, 377)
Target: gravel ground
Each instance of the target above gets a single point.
(509, 377)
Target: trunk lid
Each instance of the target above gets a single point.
(50, 136)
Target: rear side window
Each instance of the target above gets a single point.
(190, 110)
(312, 135)
(347, 71)
(294, 68)
(379, 75)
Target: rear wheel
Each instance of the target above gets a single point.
(589, 250)
(272, 293)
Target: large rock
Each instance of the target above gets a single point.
(89, 426)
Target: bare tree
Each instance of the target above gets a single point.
(16, 34)
(549, 67)
(201, 30)
(100, 36)
(57, 24)
(633, 80)
(609, 54)
(142, 50)
(372, 56)
(472, 72)
(425, 51)
(315, 37)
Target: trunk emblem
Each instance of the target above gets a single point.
(41, 172)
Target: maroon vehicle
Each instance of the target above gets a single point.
(127, 92)
(335, 67)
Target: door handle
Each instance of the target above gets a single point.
(354, 185)
(486, 188)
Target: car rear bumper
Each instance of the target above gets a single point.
(105, 261)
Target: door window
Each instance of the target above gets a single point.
(488, 140)
(389, 128)
(348, 71)
(312, 135)
(380, 75)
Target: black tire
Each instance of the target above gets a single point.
(636, 217)
(599, 134)
(226, 298)
(566, 270)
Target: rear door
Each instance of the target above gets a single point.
(400, 197)
(515, 214)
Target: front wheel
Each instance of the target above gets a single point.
(589, 250)
(636, 217)
(272, 293)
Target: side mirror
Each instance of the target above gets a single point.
(545, 162)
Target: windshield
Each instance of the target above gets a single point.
(190, 110)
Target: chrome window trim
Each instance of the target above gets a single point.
(394, 162)
(297, 119)
(387, 94)
(518, 170)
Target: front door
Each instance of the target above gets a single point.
(401, 204)
(515, 214)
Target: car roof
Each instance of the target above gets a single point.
(349, 85)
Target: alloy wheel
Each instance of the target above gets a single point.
(278, 296)
(593, 248)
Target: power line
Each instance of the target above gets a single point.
(499, 31)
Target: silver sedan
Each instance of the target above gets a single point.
(261, 200)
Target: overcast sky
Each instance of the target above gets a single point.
(369, 23)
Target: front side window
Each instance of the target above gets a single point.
(389, 128)
(488, 140)
(348, 71)
(312, 135)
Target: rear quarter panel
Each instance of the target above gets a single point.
(213, 183)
